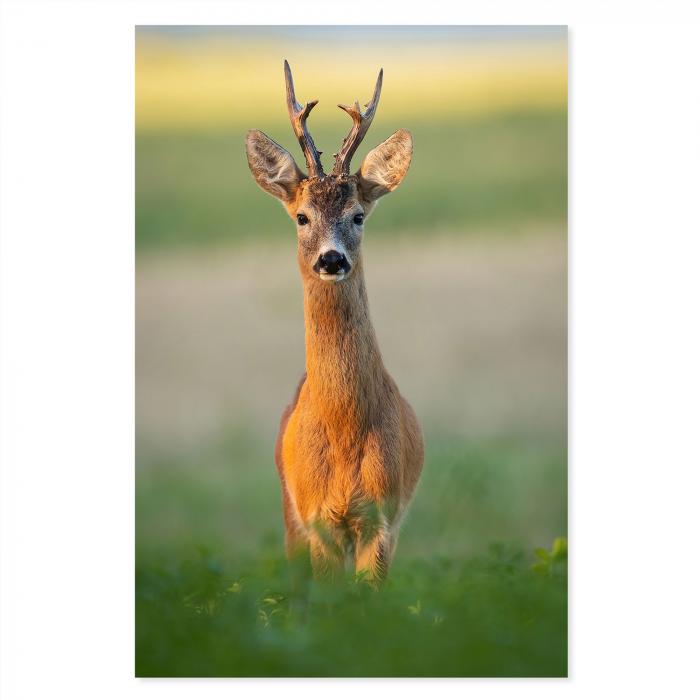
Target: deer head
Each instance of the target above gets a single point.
(329, 210)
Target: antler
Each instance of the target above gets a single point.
(298, 114)
(361, 123)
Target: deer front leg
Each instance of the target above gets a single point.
(375, 540)
(327, 553)
(296, 544)
(373, 556)
(374, 546)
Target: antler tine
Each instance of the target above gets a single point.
(298, 115)
(361, 123)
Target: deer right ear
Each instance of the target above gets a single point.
(272, 166)
(385, 166)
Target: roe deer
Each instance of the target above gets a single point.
(349, 450)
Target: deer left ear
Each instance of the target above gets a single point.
(272, 166)
(385, 166)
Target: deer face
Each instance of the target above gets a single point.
(329, 213)
(329, 210)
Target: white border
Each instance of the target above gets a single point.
(66, 257)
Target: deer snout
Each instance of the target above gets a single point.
(331, 263)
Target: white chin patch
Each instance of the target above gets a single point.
(332, 278)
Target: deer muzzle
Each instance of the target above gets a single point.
(331, 263)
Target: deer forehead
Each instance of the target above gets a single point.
(329, 196)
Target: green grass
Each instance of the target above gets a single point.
(492, 615)
(462, 599)
(502, 172)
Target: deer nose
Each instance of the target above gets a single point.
(331, 262)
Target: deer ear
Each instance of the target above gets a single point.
(385, 166)
(272, 166)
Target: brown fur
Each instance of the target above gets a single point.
(349, 450)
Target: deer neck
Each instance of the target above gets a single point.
(343, 364)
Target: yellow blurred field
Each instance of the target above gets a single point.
(206, 81)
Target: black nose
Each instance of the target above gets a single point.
(332, 262)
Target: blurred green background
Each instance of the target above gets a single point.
(466, 274)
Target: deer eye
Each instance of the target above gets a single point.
(302, 219)
(358, 219)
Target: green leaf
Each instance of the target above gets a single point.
(415, 609)
(560, 548)
(542, 554)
